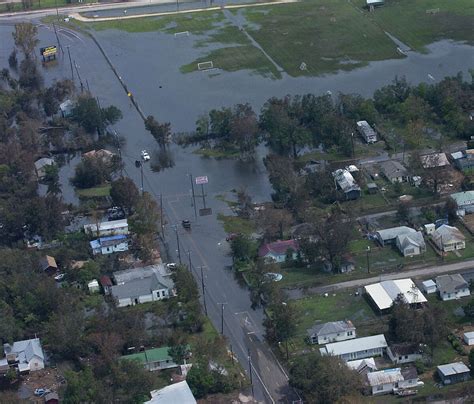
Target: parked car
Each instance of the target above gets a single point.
(145, 155)
(172, 265)
(59, 277)
(41, 392)
(231, 236)
(186, 224)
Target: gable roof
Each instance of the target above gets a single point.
(463, 198)
(393, 232)
(385, 376)
(174, 393)
(451, 283)
(393, 169)
(411, 239)
(104, 226)
(360, 365)
(345, 180)
(384, 293)
(356, 345)
(331, 328)
(108, 241)
(404, 349)
(150, 355)
(141, 287)
(47, 262)
(448, 234)
(451, 369)
(278, 247)
(25, 350)
(43, 162)
(105, 281)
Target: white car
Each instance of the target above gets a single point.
(271, 276)
(172, 265)
(145, 155)
(59, 277)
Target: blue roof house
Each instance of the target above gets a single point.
(109, 245)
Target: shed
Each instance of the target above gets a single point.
(429, 286)
(454, 373)
(51, 398)
(469, 338)
(93, 286)
(372, 188)
(429, 228)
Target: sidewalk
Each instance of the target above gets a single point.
(422, 272)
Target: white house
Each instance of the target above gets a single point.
(411, 244)
(110, 244)
(366, 131)
(469, 338)
(389, 380)
(279, 250)
(331, 332)
(404, 353)
(394, 171)
(141, 285)
(429, 286)
(384, 293)
(363, 366)
(389, 236)
(28, 354)
(448, 238)
(358, 348)
(114, 227)
(452, 287)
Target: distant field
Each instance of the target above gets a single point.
(409, 21)
(327, 35)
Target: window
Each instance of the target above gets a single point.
(406, 356)
(379, 388)
(349, 332)
(399, 358)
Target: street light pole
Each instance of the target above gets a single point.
(250, 370)
(189, 258)
(194, 197)
(177, 241)
(222, 318)
(368, 261)
(203, 290)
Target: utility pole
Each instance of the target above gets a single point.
(119, 152)
(203, 290)
(203, 196)
(177, 241)
(368, 261)
(194, 197)
(139, 165)
(79, 76)
(222, 317)
(250, 370)
(352, 142)
(189, 259)
(161, 215)
(70, 62)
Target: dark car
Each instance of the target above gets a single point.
(231, 236)
(186, 224)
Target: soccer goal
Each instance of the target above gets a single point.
(181, 34)
(205, 65)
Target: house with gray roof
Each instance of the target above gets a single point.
(453, 373)
(41, 166)
(411, 244)
(331, 332)
(358, 348)
(464, 200)
(452, 286)
(394, 171)
(142, 285)
(26, 355)
(448, 238)
(389, 236)
(346, 182)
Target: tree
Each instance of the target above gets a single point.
(25, 37)
(471, 360)
(161, 132)
(274, 223)
(324, 379)
(244, 129)
(242, 248)
(13, 60)
(81, 386)
(30, 78)
(469, 309)
(124, 193)
(91, 117)
(91, 172)
(403, 211)
(146, 218)
(451, 209)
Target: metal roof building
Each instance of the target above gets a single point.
(358, 348)
(174, 393)
(383, 294)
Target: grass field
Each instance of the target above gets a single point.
(96, 192)
(37, 5)
(410, 23)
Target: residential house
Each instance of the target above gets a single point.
(366, 131)
(278, 250)
(178, 393)
(111, 228)
(469, 338)
(331, 332)
(102, 154)
(429, 286)
(106, 284)
(411, 244)
(390, 380)
(141, 285)
(384, 293)
(452, 287)
(464, 200)
(358, 348)
(374, 3)
(346, 182)
(66, 108)
(93, 286)
(48, 265)
(448, 238)
(26, 355)
(434, 160)
(389, 236)
(453, 373)
(404, 353)
(110, 244)
(346, 265)
(394, 171)
(41, 166)
(363, 366)
(153, 359)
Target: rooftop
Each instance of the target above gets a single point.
(451, 283)
(25, 350)
(345, 180)
(393, 169)
(174, 393)
(393, 232)
(141, 286)
(429, 283)
(404, 349)
(150, 355)
(384, 293)
(43, 162)
(416, 239)
(452, 369)
(463, 198)
(360, 364)
(278, 247)
(434, 160)
(356, 345)
(104, 226)
(47, 261)
(385, 376)
(331, 328)
(448, 234)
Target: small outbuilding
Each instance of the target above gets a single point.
(429, 286)
(469, 338)
(454, 373)
(93, 286)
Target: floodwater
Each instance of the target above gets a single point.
(149, 64)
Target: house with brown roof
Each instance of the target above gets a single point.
(279, 250)
(48, 265)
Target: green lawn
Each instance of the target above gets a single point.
(37, 4)
(96, 192)
(408, 21)
(217, 153)
(235, 224)
(326, 35)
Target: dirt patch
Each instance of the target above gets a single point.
(46, 378)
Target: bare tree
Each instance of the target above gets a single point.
(25, 38)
